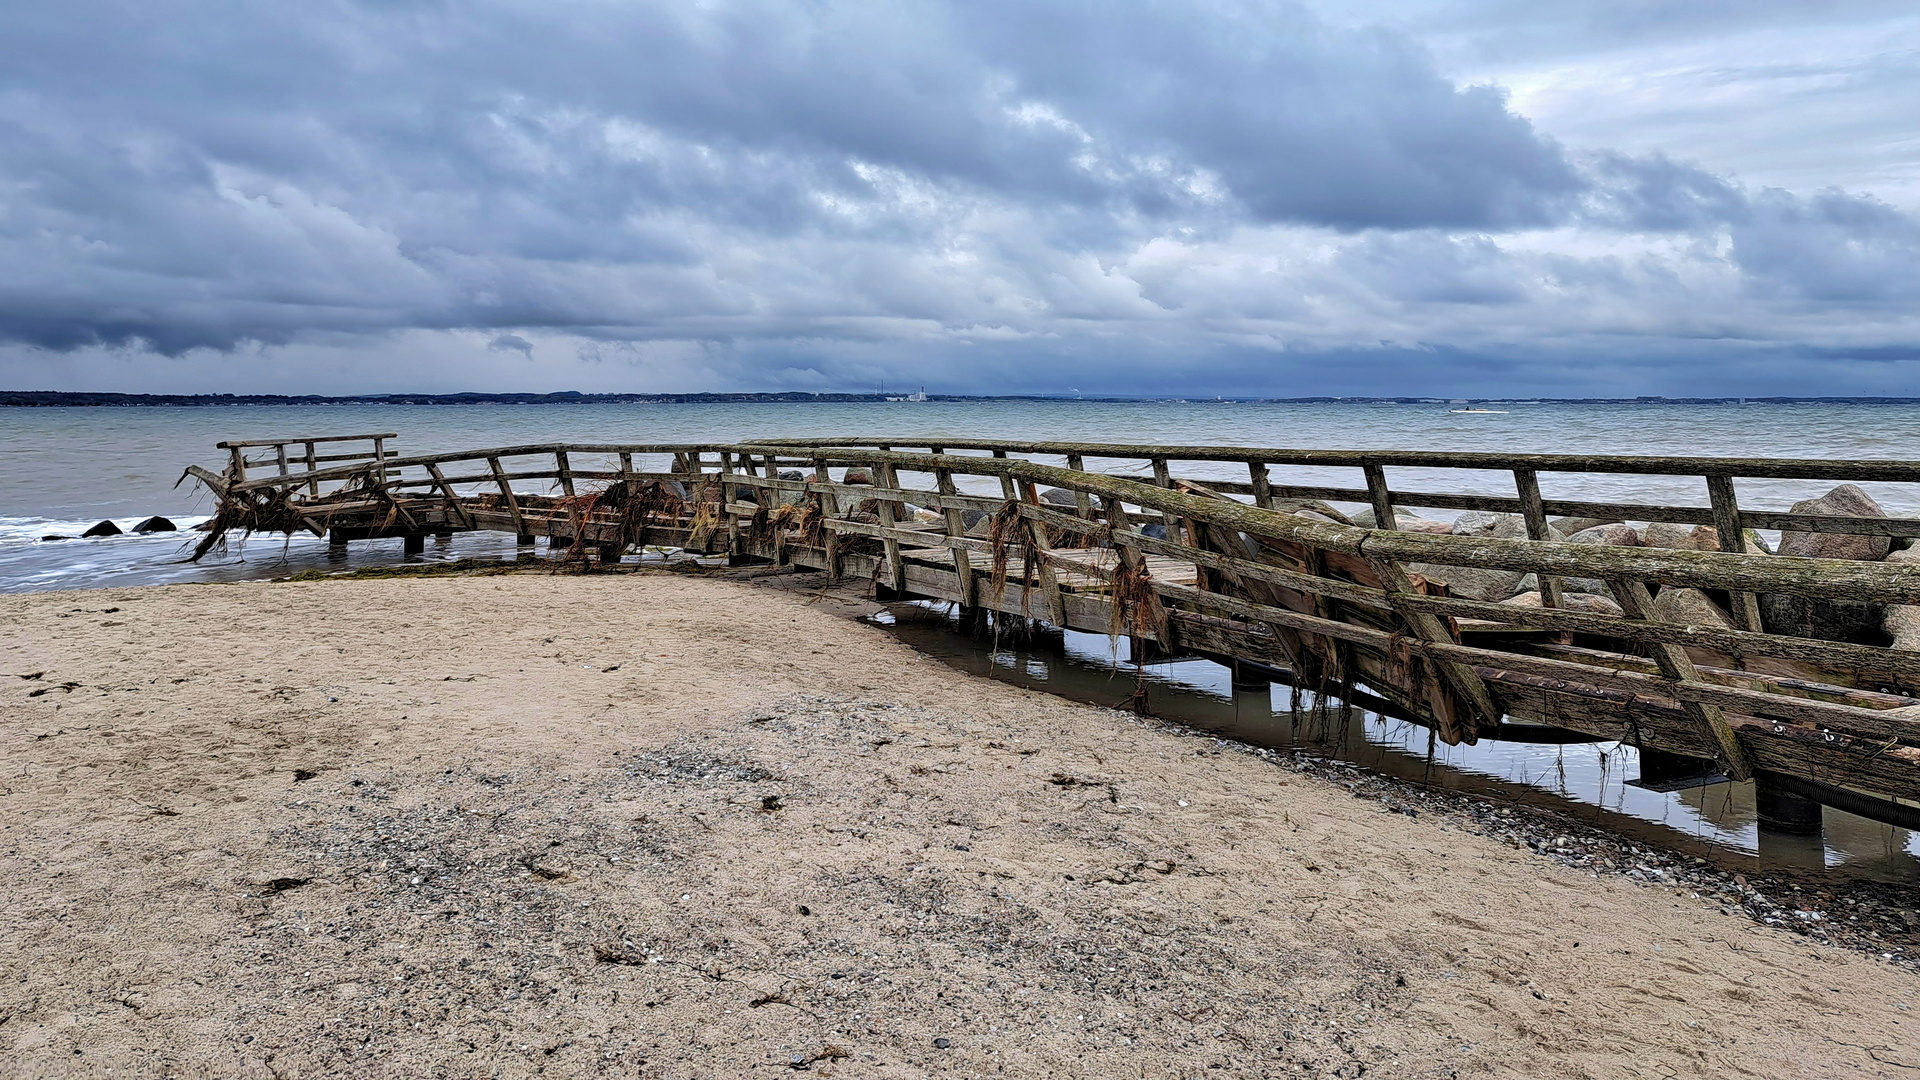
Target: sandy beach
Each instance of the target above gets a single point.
(664, 826)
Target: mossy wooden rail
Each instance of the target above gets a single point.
(1255, 571)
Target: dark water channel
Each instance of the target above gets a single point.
(1593, 781)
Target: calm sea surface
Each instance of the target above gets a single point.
(62, 470)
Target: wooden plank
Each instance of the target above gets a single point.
(1637, 602)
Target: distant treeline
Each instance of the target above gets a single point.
(61, 398)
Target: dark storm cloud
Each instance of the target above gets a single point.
(801, 194)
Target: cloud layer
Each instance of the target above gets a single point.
(1214, 197)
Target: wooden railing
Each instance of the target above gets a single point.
(1220, 568)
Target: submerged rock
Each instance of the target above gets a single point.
(156, 524)
(105, 528)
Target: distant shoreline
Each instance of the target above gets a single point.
(75, 399)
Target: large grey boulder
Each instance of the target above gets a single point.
(1672, 534)
(1589, 586)
(1479, 523)
(1614, 534)
(1570, 525)
(1404, 520)
(1815, 617)
(1472, 582)
(1588, 603)
(1843, 501)
(1902, 621)
(1690, 607)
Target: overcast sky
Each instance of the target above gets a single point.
(1488, 197)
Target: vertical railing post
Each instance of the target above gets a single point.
(522, 537)
(884, 477)
(1262, 484)
(380, 458)
(1049, 580)
(1380, 497)
(829, 507)
(956, 528)
(1082, 502)
(313, 486)
(1534, 509)
(1163, 478)
(565, 468)
(1733, 540)
(728, 491)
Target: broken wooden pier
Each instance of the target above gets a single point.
(1202, 550)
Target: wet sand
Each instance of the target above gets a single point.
(656, 825)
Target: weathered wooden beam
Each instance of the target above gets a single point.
(1637, 602)
(1533, 508)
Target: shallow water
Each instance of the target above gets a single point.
(1589, 781)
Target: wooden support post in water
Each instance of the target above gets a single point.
(1637, 602)
(1733, 539)
(413, 543)
(956, 526)
(1533, 508)
(1262, 485)
(1429, 627)
(1381, 498)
